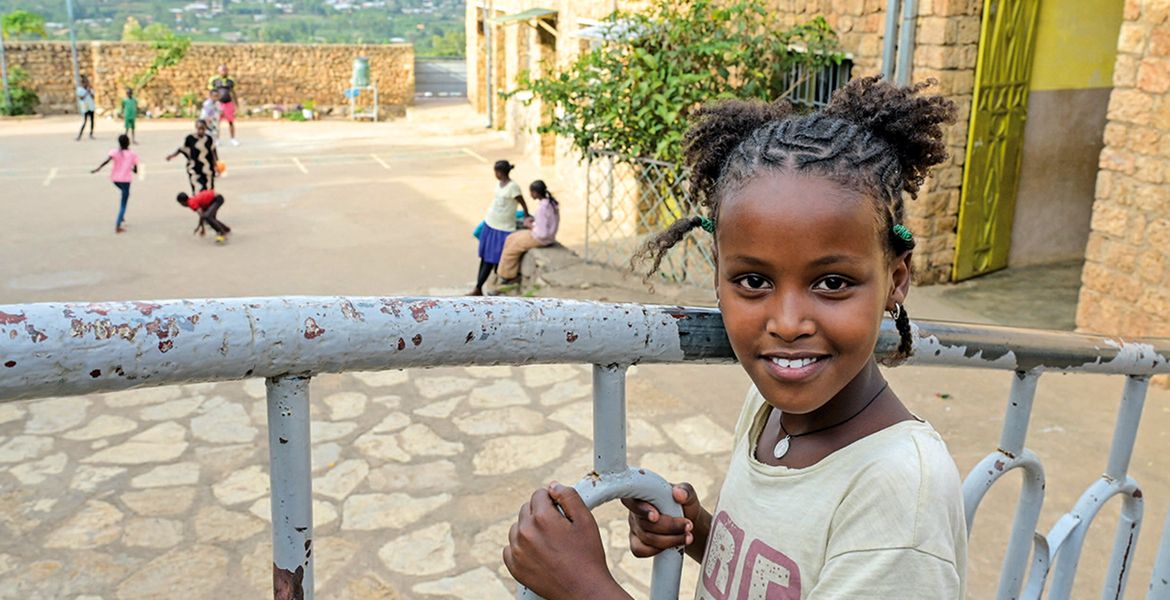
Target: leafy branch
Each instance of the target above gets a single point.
(632, 93)
(169, 48)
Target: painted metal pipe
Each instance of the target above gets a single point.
(292, 487)
(599, 488)
(1028, 507)
(55, 349)
(609, 419)
(1065, 550)
(889, 39)
(906, 37)
(1160, 581)
(1129, 416)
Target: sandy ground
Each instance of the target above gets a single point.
(381, 209)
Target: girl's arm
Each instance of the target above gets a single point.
(524, 205)
(104, 163)
(558, 554)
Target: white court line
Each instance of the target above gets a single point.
(49, 179)
(473, 154)
(380, 161)
(141, 171)
(297, 162)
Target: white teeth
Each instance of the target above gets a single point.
(794, 363)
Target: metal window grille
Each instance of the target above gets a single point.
(60, 349)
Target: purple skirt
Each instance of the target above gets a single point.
(491, 244)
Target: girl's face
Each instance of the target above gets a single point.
(501, 175)
(200, 128)
(803, 279)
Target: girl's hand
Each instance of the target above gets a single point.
(652, 532)
(559, 555)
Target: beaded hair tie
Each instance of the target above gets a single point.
(903, 232)
(707, 224)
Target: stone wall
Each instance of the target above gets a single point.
(266, 74)
(1126, 280)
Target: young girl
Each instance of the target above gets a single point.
(499, 222)
(835, 490)
(122, 173)
(540, 231)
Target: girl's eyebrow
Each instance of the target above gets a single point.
(833, 259)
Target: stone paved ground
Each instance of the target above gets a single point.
(417, 477)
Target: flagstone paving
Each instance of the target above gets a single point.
(417, 478)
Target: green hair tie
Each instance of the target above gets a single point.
(708, 225)
(903, 232)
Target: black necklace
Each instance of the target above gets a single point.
(782, 446)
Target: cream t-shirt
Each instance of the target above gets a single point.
(501, 214)
(880, 518)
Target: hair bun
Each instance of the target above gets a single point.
(716, 131)
(910, 122)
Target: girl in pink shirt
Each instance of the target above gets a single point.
(122, 173)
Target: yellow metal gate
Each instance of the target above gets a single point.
(995, 138)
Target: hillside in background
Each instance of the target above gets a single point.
(435, 27)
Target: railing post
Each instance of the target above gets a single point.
(1160, 580)
(1067, 552)
(292, 487)
(609, 419)
(1010, 455)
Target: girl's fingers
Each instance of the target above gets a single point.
(648, 544)
(641, 508)
(664, 526)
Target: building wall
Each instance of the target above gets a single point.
(267, 74)
(1126, 280)
(1059, 170)
(947, 37)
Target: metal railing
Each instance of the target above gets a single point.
(59, 349)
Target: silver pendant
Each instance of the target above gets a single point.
(781, 447)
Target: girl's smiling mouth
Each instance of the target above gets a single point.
(795, 367)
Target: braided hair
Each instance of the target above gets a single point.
(874, 138)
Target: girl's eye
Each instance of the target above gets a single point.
(753, 282)
(832, 283)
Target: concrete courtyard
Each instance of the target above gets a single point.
(417, 474)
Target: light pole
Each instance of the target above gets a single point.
(4, 72)
(73, 44)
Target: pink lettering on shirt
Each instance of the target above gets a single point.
(767, 573)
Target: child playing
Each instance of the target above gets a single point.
(86, 106)
(206, 204)
(210, 114)
(835, 490)
(122, 173)
(130, 114)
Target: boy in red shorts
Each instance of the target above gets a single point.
(226, 86)
(206, 204)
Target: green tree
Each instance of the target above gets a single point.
(22, 22)
(169, 48)
(24, 99)
(633, 92)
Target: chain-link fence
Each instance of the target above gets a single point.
(631, 200)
